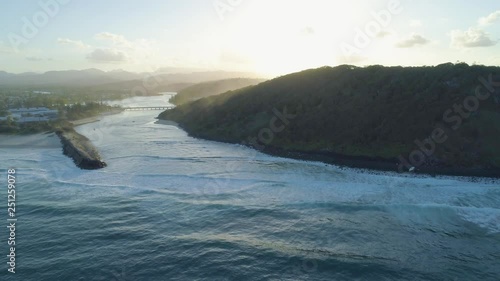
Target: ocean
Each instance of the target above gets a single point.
(172, 207)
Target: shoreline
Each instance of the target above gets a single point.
(78, 147)
(74, 123)
(167, 123)
(376, 164)
(37, 140)
(79, 122)
(74, 145)
(357, 162)
(93, 119)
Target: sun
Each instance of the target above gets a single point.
(281, 37)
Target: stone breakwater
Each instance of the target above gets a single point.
(80, 149)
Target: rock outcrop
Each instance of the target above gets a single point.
(80, 149)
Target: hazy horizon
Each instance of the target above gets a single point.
(266, 37)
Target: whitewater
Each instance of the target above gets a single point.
(172, 207)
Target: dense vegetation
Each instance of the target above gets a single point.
(60, 97)
(10, 127)
(91, 109)
(375, 112)
(212, 88)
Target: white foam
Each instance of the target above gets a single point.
(486, 218)
(170, 160)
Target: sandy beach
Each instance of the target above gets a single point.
(47, 139)
(83, 121)
(167, 122)
(41, 140)
(93, 119)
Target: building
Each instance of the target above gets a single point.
(42, 93)
(35, 114)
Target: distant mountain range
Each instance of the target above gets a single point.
(96, 77)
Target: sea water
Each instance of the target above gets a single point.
(172, 207)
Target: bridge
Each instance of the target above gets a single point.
(142, 108)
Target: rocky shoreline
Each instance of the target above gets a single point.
(361, 162)
(380, 164)
(80, 149)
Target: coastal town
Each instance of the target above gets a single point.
(49, 114)
(34, 114)
(34, 111)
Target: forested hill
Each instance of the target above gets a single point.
(212, 88)
(374, 112)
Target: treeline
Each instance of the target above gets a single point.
(11, 127)
(30, 100)
(58, 99)
(212, 88)
(373, 111)
(70, 113)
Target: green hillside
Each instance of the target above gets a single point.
(212, 88)
(373, 112)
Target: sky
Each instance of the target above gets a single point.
(271, 37)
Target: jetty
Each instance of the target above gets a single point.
(80, 149)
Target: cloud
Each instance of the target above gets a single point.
(307, 31)
(416, 23)
(383, 34)
(107, 56)
(72, 43)
(232, 57)
(5, 49)
(34, 59)
(471, 38)
(136, 50)
(352, 59)
(490, 19)
(114, 38)
(414, 40)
